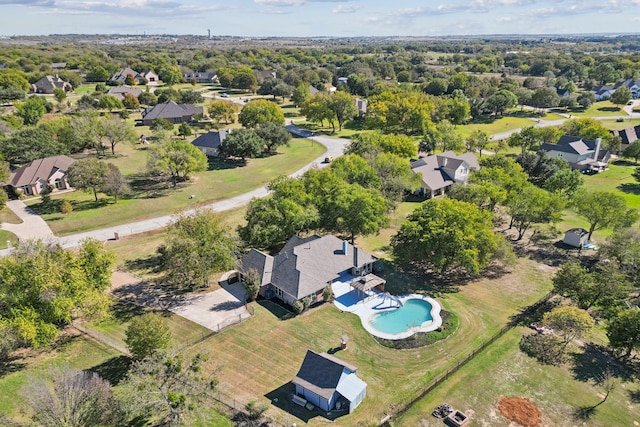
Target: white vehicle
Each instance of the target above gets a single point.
(224, 95)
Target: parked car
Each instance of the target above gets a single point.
(224, 95)
(328, 159)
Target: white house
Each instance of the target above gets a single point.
(581, 154)
(440, 172)
(602, 93)
(329, 383)
(632, 84)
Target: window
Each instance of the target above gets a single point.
(58, 184)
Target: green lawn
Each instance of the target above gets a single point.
(7, 215)
(257, 358)
(76, 352)
(223, 180)
(503, 370)
(601, 109)
(7, 236)
(499, 125)
(616, 125)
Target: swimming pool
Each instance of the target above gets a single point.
(413, 313)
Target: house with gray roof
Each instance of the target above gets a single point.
(441, 171)
(306, 266)
(581, 154)
(209, 143)
(175, 113)
(627, 136)
(34, 177)
(120, 91)
(48, 83)
(202, 77)
(146, 77)
(632, 84)
(329, 383)
(602, 93)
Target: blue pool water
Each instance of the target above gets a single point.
(414, 312)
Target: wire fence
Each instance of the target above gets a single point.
(385, 422)
(100, 337)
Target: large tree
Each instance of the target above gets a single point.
(242, 143)
(362, 211)
(87, 174)
(30, 143)
(604, 210)
(166, 388)
(621, 96)
(569, 322)
(501, 101)
(197, 246)
(114, 183)
(116, 130)
(177, 160)
(31, 111)
(343, 106)
(147, 334)
(623, 331)
(221, 111)
(533, 205)
(632, 151)
(273, 136)
(445, 234)
(260, 111)
(71, 398)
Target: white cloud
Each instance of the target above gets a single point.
(346, 8)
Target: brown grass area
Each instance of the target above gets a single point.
(520, 410)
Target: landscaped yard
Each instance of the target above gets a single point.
(258, 358)
(601, 109)
(7, 236)
(499, 125)
(149, 199)
(7, 215)
(616, 125)
(559, 392)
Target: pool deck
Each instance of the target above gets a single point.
(351, 300)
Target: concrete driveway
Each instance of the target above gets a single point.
(32, 226)
(215, 310)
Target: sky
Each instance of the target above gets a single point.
(337, 18)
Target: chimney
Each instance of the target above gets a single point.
(598, 142)
(355, 256)
(444, 162)
(345, 247)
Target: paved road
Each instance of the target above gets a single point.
(335, 148)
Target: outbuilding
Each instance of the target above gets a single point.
(576, 237)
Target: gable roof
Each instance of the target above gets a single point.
(120, 91)
(627, 135)
(211, 139)
(51, 82)
(629, 83)
(171, 110)
(123, 73)
(305, 266)
(437, 171)
(571, 144)
(39, 169)
(321, 373)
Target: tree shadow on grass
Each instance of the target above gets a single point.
(621, 162)
(410, 279)
(149, 264)
(124, 311)
(634, 395)
(281, 398)
(630, 188)
(584, 412)
(533, 313)
(113, 370)
(591, 364)
(276, 309)
(609, 109)
(146, 187)
(11, 364)
(218, 164)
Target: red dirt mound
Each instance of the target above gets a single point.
(520, 410)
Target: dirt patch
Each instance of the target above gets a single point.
(520, 410)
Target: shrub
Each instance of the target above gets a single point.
(251, 284)
(298, 307)
(306, 302)
(547, 349)
(66, 207)
(327, 294)
(147, 334)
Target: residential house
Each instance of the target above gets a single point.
(147, 77)
(209, 143)
(576, 237)
(120, 91)
(175, 113)
(34, 177)
(343, 80)
(581, 154)
(627, 136)
(313, 90)
(205, 78)
(58, 65)
(329, 383)
(632, 84)
(151, 78)
(48, 83)
(563, 93)
(330, 88)
(306, 266)
(602, 93)
(441, 171)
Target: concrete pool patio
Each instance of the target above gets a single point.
(367, 304)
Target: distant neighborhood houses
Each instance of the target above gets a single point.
(581, 154)
(203, 77)
(34, 177)
(267, 74)
(48, 83)
(306, 266)
(440, 172)
(146, 77)
(605, 92)
(175, 113)
(209, 143)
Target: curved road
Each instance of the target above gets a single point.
(335, 148)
